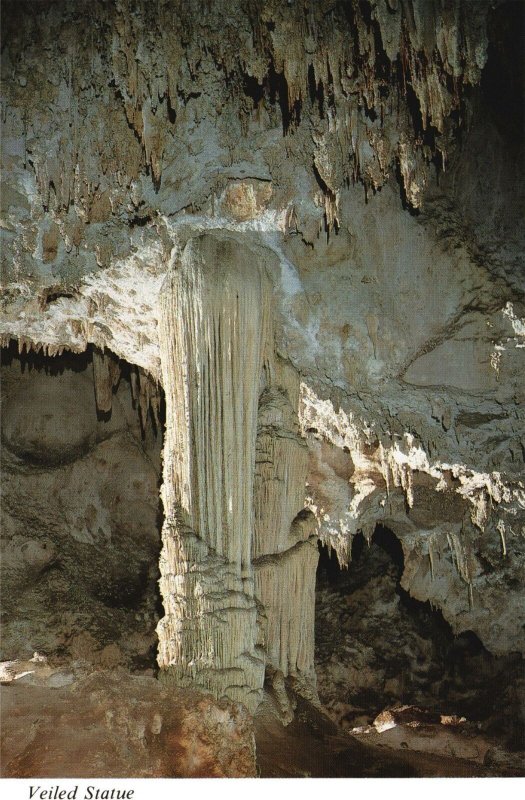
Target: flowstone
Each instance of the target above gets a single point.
(226, 403)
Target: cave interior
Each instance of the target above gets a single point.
(262, 404)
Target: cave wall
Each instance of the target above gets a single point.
(352, 154)
(80, 539)
(378, 648)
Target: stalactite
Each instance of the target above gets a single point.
(106, 374)
(285, 565)
(358, 57)
(501, 529)
(234, 481)
(431, 559)
(394, 464)
(460, 557)
(281, 466)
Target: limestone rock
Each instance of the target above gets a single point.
(234, 472)
(65, 431)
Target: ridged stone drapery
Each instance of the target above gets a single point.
(234, 477)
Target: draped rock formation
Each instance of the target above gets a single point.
(234, 473)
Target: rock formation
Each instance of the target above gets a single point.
(282, 243)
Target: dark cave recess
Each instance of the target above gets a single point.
(404, 651)
(80, 554)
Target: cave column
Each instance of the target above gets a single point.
(214, 329)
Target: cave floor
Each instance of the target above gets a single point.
(111, 723)
(313, 746)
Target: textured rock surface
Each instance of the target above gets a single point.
(183, 125)
(110, 724)
(376, 648)
(312, 746)
(224, 620)
(367, 157)
(80, 553)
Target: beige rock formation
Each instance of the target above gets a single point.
(216, 344)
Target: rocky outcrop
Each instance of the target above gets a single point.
(79, 553)
(378, 650)
(129, 98)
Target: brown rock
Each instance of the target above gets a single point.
(111, 724)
